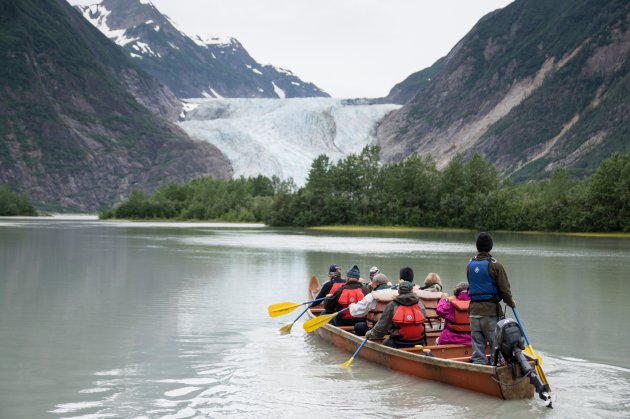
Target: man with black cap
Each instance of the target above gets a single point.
(488, 284)
(334, 282)
(402, 319)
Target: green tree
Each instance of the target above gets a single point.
(609, 194)
(12, 204)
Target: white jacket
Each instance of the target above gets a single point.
(368, 303)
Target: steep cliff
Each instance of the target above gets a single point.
(533, 85)
(76, 131)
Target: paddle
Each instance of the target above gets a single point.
(530, 351)
(287, 328)
(349, 362)
(317, 322)
(280, 309)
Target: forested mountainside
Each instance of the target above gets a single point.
(191, 66)
(532, 86)
(80, 125)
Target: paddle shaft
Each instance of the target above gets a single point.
(354, 355)
(314, 301)
(301, 314)
(521, 324)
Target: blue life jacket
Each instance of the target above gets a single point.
(481, 285)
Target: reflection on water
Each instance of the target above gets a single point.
(134, 320)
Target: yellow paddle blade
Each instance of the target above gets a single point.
(538, 367)
(348, 362)
(317, 322)
(286, 328)
(281, 309)
(530, 351)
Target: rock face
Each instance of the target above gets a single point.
(533, 85)
(80, 125)
(190, 66)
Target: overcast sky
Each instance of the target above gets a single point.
(350, 48)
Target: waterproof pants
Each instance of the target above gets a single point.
(482, 331)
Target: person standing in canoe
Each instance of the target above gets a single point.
(335, 281)
(372, 306)
(350, 292)
(402, 319)
(488, 285)
(455, 311)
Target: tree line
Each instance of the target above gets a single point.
(359, 190)
(12, 204)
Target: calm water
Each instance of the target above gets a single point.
(149, 320)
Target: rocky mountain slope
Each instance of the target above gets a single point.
(80, 125)
(189, 65)
(531, 86)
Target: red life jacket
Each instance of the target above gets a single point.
(462, 321)
(335, 287)
(347, 297)
(410, 322)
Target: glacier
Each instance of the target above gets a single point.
(281, 137)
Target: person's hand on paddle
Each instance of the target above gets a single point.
(368, 335)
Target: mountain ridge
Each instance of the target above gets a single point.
(530, 87)
(74, 129)
(191, 66)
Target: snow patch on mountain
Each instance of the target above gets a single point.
(282, 136)
(279, 91)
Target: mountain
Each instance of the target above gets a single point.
(281, 137)
(80, 125)
(189, 65)
(532, 86)
(413, 85)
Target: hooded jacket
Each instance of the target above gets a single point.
(386, 325)
(446, 310)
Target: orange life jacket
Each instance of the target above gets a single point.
(382, 300)
(410, 322)
(462, 321)
(336, 286)
(347, 297)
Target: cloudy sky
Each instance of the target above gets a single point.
(350, 48)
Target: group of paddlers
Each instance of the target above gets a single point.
(404, 312)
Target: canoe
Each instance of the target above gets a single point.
(451, 364)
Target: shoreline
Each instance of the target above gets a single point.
(330, 228)
(403, 229)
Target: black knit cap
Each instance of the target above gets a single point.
(484, 242)
(406, 274)
(353, 272)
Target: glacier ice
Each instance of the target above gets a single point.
(282, 136)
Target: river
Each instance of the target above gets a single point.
(158, 320)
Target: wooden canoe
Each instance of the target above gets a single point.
(450, 365)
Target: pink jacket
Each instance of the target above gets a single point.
(446, 310)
